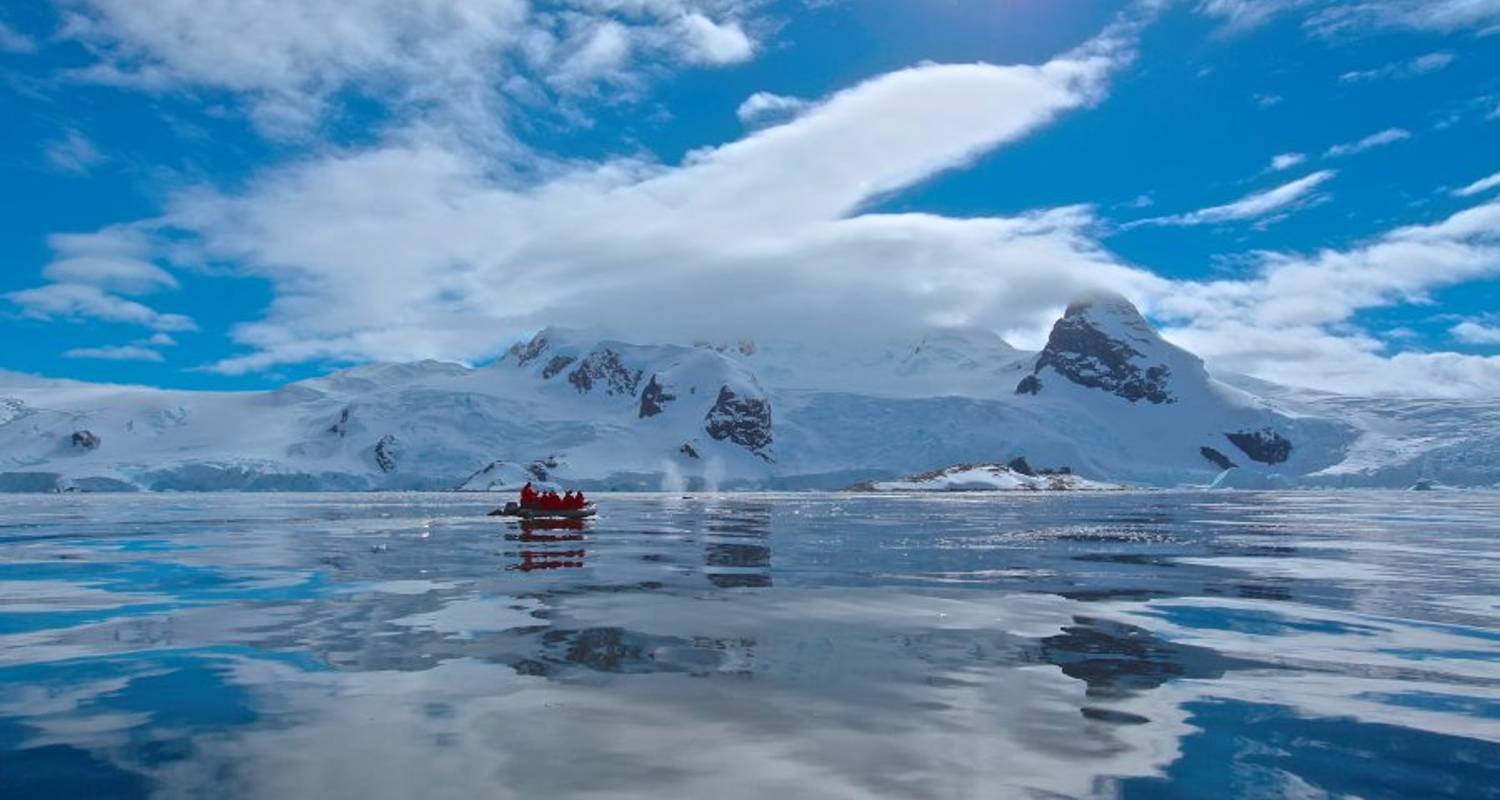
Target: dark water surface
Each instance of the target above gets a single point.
(750, 646)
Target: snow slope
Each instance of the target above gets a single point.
(427, 425)
(1106, 398)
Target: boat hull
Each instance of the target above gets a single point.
(521, 512)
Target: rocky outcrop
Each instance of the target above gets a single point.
(1265, 445)
(509, 476)
(86, 440)
(654, 398)
(746, 421)
(744, 347)
(1217, 458)
(689, 450)
(1019, 464)
(341, 427)
(556, 365)
(604, 368)
(539, 469)
(524, 353)
(386, 451)
(10, 409)
(1089, 347)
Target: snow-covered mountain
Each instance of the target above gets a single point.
(1107, 398)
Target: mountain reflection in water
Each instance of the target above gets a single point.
(372, 646)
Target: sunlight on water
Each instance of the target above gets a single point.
(374, 646)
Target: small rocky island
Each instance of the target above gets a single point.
(1016, 476)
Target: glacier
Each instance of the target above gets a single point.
(1107, 399)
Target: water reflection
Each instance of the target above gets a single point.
(1140, 646)
(537, 536)
(737, 551)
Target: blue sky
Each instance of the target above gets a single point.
(228, 195)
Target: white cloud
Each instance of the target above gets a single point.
(74, 153)
(1343, 18)
(1346, 18)
(450, 63)
(1381, 139)
(602, 51)
(120, 353)
(1266, 100)
(1472, 332)
(1432, 62)
(767, 234)
(81, 301)
(1244, 14)
(127, 276)
(1421, 65)
(764, 108)
(159, 340)
(1284, 198)
(115, 259)
(1399, 266)
(1286, 161)
(747, 236)
(709, 42)
(1478, 187)
(13, 41)
(1290, 321)
(88, 273)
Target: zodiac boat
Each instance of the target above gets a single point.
(514, 509)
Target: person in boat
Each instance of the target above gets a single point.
(567, 499)
(579, 501)
(528, 495)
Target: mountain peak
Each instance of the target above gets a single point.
(1101, 298)
(553, 339)
(1103, 342)
(1112, 314)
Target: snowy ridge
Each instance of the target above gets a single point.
(1106, 400)
(505, 476)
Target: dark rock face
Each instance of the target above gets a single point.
(688, 450)
(528, 352)
(1019, 465)
(385, 453)
(556, 365)
(341, 427)
(1090, 357)
(654, 398)
(1265, 445)
(86, 440)
(1030, 384)
(1216, 458)
(539, 468)
(746, 421)
(605, 367)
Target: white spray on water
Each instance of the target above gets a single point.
(671, 478)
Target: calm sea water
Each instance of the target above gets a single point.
(789, 646)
